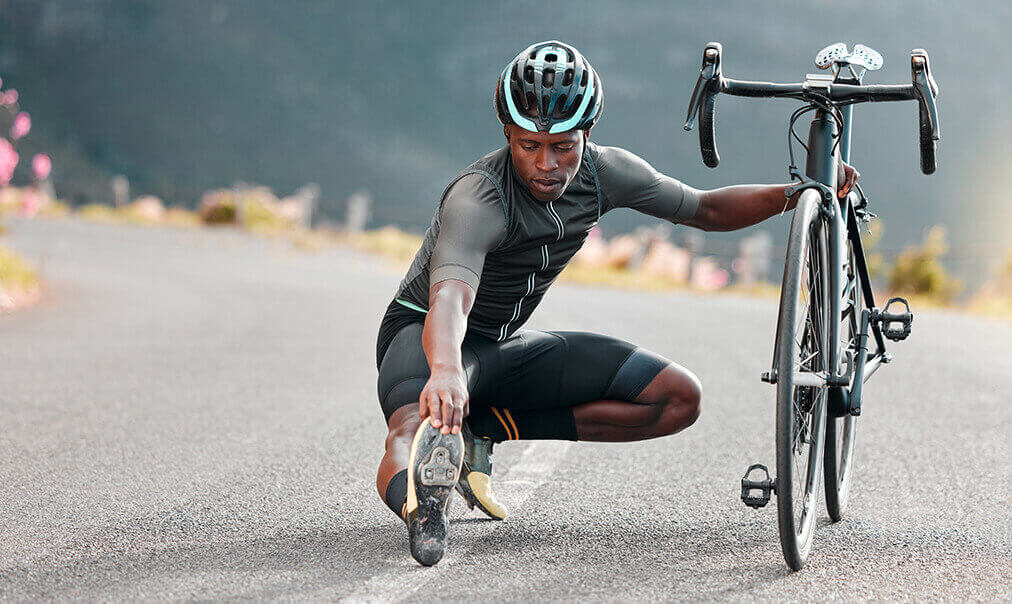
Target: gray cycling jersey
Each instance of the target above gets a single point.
(491, 233)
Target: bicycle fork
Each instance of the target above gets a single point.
(820, 179)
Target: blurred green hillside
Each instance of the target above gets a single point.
(395, 97)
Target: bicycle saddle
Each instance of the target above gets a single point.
(862, 56)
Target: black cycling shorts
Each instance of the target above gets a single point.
(529, 370)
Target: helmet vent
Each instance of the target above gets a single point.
(559, 105)
(567, 78)
(551, 58)
(544, 105)
(529, 74)
(577, 100)
(583, 80)
(547, 78)
(532, 101)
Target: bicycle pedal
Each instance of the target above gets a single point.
(757, 493)
(895, 326)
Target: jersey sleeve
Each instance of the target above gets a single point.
(472, 223)
(628, 181)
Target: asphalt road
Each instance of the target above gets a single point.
(192, 415)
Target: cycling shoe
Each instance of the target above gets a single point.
(475, 483)
(433, 470)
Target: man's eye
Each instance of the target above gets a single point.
(527, 147)
(565, 148)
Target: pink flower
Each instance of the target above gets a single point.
(41, 166)
(8, 161)
(22, 124)
(11, 97)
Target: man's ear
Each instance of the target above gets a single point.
(506, 132)
(586, 135)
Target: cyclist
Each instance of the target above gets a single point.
(456, 372)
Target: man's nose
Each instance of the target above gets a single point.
(546, 161)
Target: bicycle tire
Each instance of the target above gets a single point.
(801, 410)
(841, 431)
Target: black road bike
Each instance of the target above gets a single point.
(821, 355)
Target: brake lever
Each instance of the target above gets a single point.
(709, 72)
(925, 88)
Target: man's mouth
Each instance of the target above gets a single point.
(544, 183)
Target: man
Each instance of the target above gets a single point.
(455, 373)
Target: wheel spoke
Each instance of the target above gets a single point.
(808, 358)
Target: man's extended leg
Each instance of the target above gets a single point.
(403, 373)
(416, 479)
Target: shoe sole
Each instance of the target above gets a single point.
(434, 467)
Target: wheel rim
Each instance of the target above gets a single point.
(845, 426)
(808, 412)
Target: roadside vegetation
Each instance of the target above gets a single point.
(916, 273)
(19, 281)
(644, 260)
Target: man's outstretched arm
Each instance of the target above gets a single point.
(445, 395)
(473, 223)
(628, 181)
(740, 206)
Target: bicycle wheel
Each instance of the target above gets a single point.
(801, 409)
(839, 455)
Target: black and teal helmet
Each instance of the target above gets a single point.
(550, 88)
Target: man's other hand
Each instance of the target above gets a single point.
(845, 179)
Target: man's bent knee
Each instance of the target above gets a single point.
(683, 394)
(403, 424)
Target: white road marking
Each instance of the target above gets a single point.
(404, 578)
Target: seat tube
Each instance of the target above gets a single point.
(821, 165)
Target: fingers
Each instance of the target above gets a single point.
(850, 177)
(453, 422)
(447, 411)
(459, 412)
(432, 399)
(854, 175)
(445, 405)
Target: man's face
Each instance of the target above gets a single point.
(546, 162)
